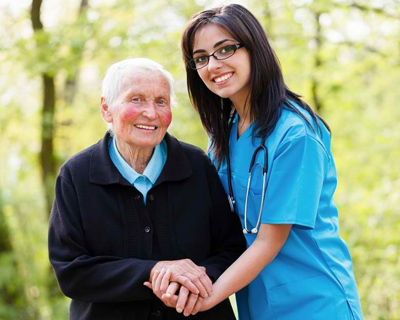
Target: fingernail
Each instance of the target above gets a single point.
(162, 270)
(186, 314)
(168, 294)
(179, 310)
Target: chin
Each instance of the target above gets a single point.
(224, 92)
(149, 144)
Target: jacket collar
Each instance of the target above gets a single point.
(103, 171)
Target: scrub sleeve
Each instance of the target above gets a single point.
(295, 183)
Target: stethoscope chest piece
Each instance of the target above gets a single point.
(231, 203)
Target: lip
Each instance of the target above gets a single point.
(222, 75)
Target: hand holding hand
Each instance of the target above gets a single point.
(185, 272)
(186, 302)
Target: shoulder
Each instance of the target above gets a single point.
(192, 152)
(78, 164)
(190, 155)
(299, 124)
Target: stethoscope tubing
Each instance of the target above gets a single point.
(231, 198)
(265, 170)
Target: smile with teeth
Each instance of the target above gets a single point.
(141, 126)
(223, 78)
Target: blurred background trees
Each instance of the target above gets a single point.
(343, 56)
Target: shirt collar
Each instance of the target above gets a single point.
(152, 170)
(103, 171)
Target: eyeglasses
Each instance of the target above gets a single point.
(220, 54)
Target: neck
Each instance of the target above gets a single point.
(244, 116)
(137, 158)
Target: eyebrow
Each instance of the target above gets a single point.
(136, 92)
(215, 45)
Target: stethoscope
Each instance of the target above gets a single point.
(231, 199)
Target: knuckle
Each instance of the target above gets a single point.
(196, 279)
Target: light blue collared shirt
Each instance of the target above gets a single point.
(143, 182)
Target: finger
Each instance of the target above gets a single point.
(157, 284)
(155, 275)
(171, 302)
(199, 285)
(165, 281)
(204, 279)
(191, 301)
(169, 298)
(182, 298)
(207, 283)
(148, 285)
(171, 290)
(185, 281)
(159, 265)
(197, 306)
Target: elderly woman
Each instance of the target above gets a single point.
(137, 204)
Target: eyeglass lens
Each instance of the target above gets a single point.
(221, 54)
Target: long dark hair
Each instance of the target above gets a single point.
(268, 92)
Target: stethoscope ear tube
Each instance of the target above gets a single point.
(253, 158)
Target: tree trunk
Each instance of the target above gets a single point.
(70, 85)
(318, 105)
(46, 157)
(268, 22)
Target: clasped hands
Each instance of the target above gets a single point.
(181, 284)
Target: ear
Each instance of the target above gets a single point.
(105, 113)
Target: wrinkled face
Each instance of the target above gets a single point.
(228, 78)
(141, 114)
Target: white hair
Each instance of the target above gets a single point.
(111, 86)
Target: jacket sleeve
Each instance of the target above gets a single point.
(228, 241)
(82, 276)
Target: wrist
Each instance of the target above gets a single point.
(208, 303)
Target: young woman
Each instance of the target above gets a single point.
(296, 265)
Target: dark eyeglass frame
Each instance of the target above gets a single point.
(192, 63)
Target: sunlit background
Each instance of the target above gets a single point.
(342, 56)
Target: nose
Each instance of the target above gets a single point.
(150, 111)
(214, 64)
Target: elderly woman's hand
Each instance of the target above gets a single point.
(185, 272)
(186, 302)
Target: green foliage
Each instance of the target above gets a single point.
(357, 47)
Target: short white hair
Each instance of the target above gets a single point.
(111, 86)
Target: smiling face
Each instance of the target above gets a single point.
(228, 78)
(141, 114)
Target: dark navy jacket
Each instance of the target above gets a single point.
(104, 241)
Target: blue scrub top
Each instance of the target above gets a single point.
(312, 276)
